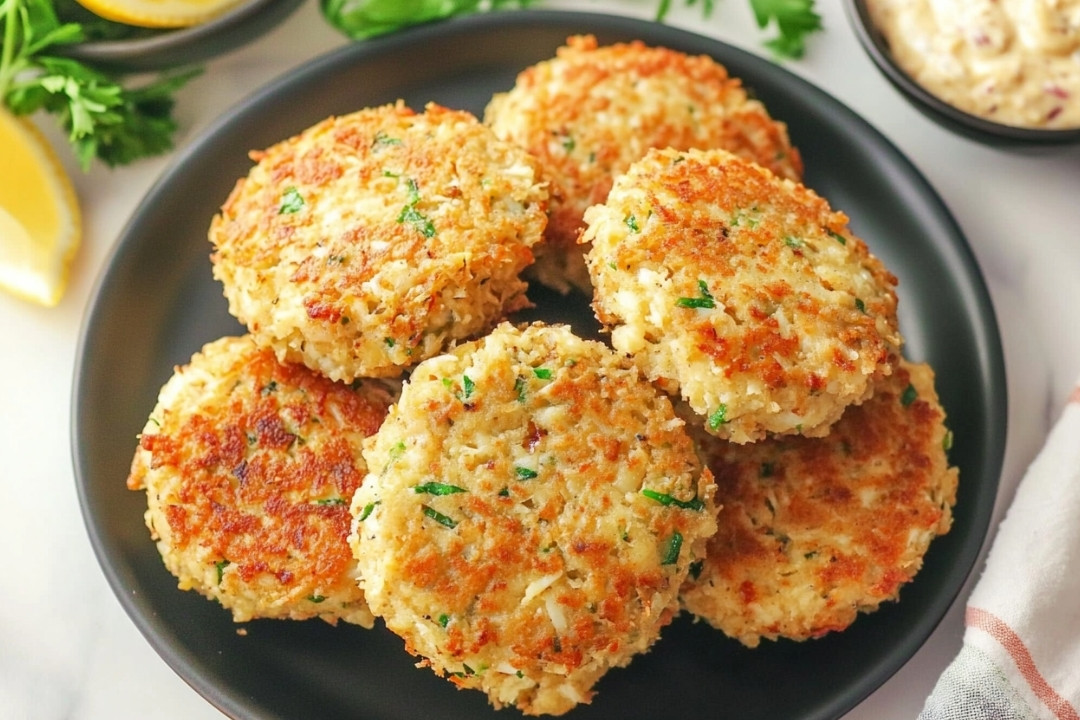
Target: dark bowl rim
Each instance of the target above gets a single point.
(973, 126)
(244, 21)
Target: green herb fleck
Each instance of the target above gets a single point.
(718, 417)
(268, 388)
(908, 396)
(837, 236)
(520, 389)
(221, 565)
(368, 510)
(947, 441)
(409, 214)
(695, 569)
(332, 501)
(444, 520)
(437, 488)
(793, 242)
(316, 598)
(505, 492)
(542, 373)
(671, 551)
(291, 201)
(390, 342)
(468, 385)
(381, 138)
(569, 144)
(694, 503)
(631, 222)
(860, 305)
(704, 299)
(444, 620)
(524, 473)
(418, 220)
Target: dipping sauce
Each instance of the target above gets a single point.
(1015, 62)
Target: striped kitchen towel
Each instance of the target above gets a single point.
(1021, 652)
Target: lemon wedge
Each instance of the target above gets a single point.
(158, 13)
(40, 224)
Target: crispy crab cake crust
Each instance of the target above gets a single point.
(532, 508)
(741, 291)
(814, 531)
(372, 240)
(249, 467)
(590, 112)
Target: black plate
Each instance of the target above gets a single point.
(157, 303)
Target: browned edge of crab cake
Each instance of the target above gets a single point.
(249, 467)
(741, 291)
(532, 507)
(375, 239)
(591, 111)
(814, 531)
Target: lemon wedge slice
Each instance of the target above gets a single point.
(159, 13)
(40, 224)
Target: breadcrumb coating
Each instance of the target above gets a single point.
(249, 467)
(532, 507)
(373, 240)
(814, 531)
(743, 292)
(591, 111)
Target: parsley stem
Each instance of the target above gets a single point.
(7, 66)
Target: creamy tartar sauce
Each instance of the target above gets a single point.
(1015, 62)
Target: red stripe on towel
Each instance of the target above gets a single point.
(996, 628)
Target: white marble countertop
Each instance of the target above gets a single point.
(67, 650)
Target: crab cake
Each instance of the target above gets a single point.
(249, 467)
(371, 241)
(815, 530)
(590, 112)
(532, 508)
(742, 291)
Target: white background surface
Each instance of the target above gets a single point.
(67, 650)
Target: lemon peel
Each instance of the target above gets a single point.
(40, 222)
(159, 13)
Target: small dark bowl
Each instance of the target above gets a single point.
(184, 46)
(947, 116)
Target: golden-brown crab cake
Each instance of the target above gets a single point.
(741, 291)
(532, 506)
(249, 467)
(590, 112)
(371, 241)
(814, 531)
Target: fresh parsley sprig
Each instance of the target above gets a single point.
(359, 19)
(102, 118)
(795, 19)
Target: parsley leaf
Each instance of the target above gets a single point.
(102, 118)
(795, 19)
(359, 19)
